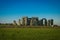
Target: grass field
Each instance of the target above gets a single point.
(29, 33)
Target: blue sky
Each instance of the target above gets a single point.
(15, 9)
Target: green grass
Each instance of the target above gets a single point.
(29, 33)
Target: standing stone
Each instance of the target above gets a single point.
(41, 22)
(24, 21)
(52, 22)
(44, 22)
(19, 22)
(14, 22)
(49, 22)
(34, 21)
(31, 22)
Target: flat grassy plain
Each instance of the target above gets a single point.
(29, 33)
